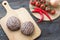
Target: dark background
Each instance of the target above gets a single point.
(50, 30)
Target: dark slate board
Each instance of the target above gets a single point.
(50, 30)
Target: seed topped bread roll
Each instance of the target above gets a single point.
(27, 28)
(13, 23)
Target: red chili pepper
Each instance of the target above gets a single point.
(42, 17)
(44, 12)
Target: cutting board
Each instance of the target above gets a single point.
(53, 17)
(23, 15)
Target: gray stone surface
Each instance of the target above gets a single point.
(50, 30)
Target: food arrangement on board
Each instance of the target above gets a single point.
(17, 27)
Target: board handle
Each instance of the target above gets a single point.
(6, 5)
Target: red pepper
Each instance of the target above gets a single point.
(42, 17)
(44, 12)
